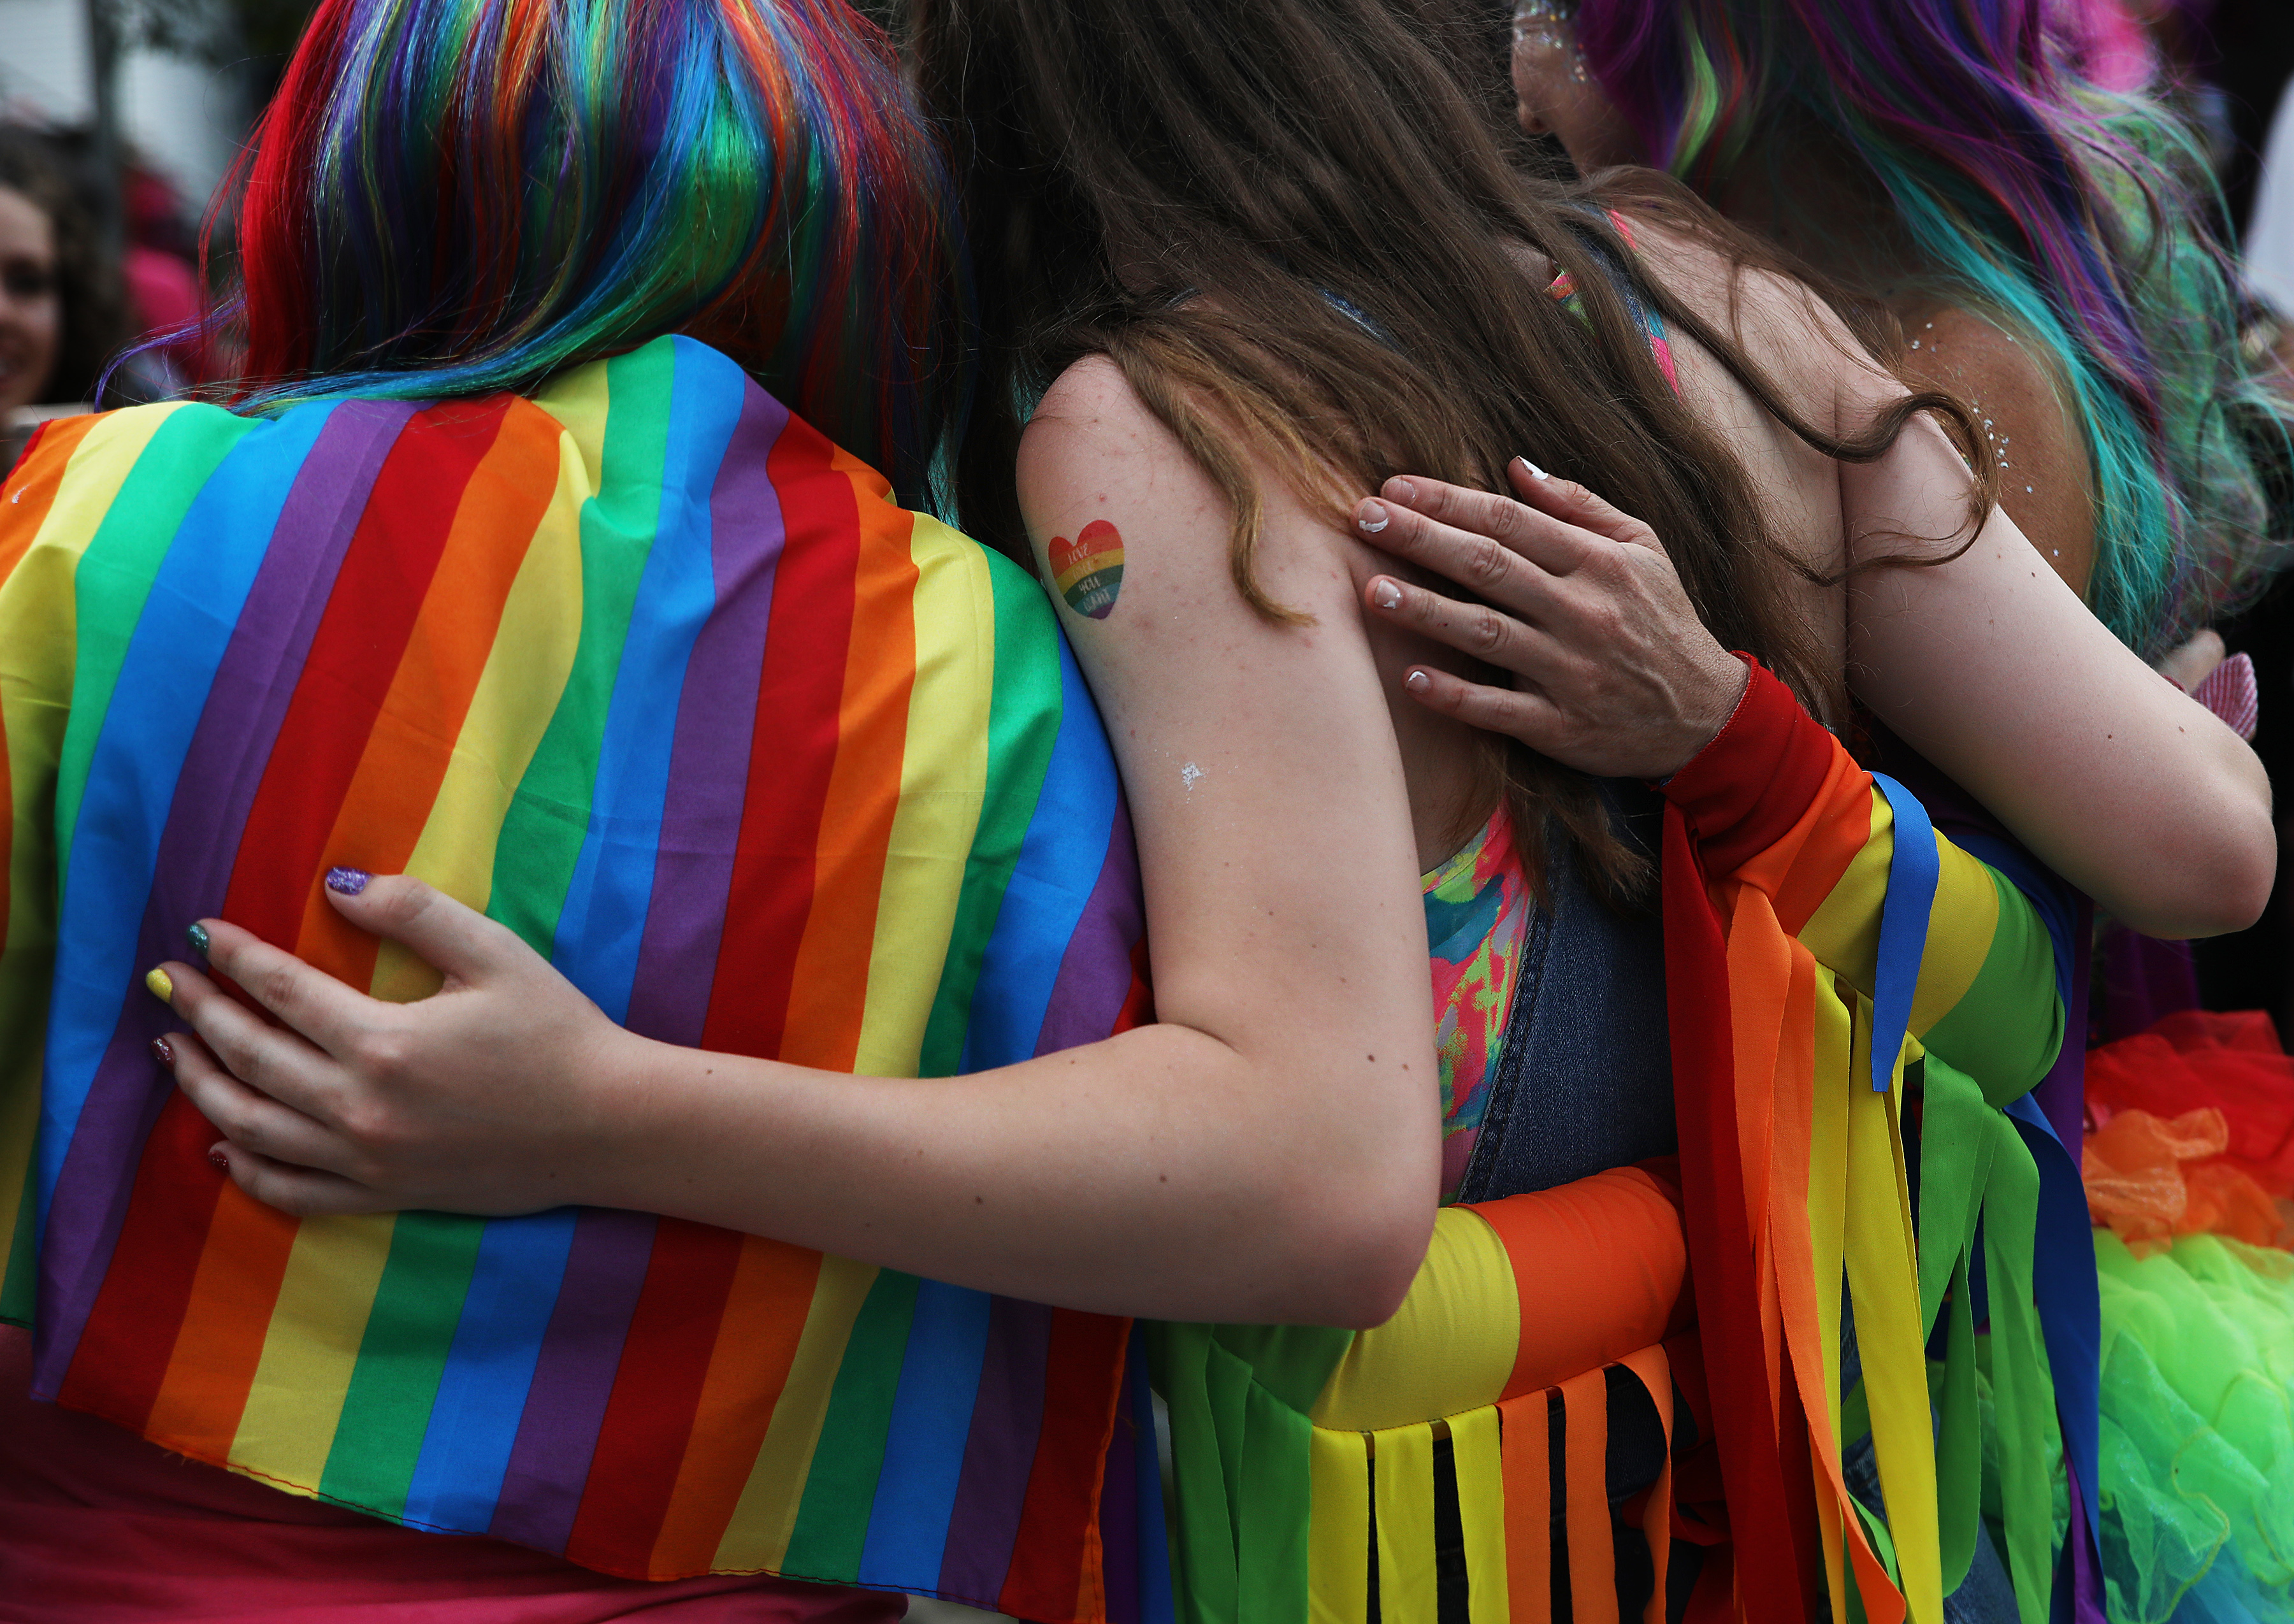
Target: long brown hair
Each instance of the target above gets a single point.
(1317, 173)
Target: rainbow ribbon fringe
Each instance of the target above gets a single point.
(1822, 945)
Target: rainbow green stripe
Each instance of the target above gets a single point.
(657, 674)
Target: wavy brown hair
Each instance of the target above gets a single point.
(1297, 234)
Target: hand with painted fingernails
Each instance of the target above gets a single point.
(479, 1099)
(1612, 671)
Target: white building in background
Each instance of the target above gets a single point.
(185, 119)
(2270, 228)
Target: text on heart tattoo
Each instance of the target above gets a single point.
(1087, 572)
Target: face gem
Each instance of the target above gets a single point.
(1087, 572)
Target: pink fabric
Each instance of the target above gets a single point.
(164, 290)
(2229, 692)
(99, 1527)
(2111, 49)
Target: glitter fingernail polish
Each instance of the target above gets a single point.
(197, 936)
(348, 882)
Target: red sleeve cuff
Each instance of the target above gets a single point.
(1745, 792)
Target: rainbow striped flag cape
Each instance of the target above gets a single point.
(654, 674)
(1824, 947)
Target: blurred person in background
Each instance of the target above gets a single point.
(167, 350)
(61, 313)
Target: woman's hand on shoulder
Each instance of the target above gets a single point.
(484, 1098)
(1613, 672)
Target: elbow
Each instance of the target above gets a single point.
(2241, 892)
(2246, 894)
(1377, 1279)
(1357, 1260)
(1368, 1289)
(2215, 889)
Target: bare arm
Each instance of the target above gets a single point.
(1991, 667)
(1269, 1152)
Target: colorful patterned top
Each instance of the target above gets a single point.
(1477, 911)
(1563, 289)
(653, 673)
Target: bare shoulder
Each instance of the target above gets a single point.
(1092, 440)
(1089, 411)
(1095, 464)
(1116, 505)
(2044, 477)
(1967, 352)
(1786, 329)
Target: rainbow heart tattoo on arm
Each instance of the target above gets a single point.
(1088, 571)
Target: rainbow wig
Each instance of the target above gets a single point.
(2072, 215)
(459, 197)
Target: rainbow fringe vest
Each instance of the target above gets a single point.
(1825, 951)
(654, 674)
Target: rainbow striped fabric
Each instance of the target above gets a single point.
(1825, 951)
(655, 675)
(1813, 921)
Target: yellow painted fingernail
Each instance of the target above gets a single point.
(160, 986)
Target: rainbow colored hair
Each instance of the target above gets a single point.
(2071, 215)
(458, 197)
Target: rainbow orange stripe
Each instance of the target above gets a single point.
(658, 676)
